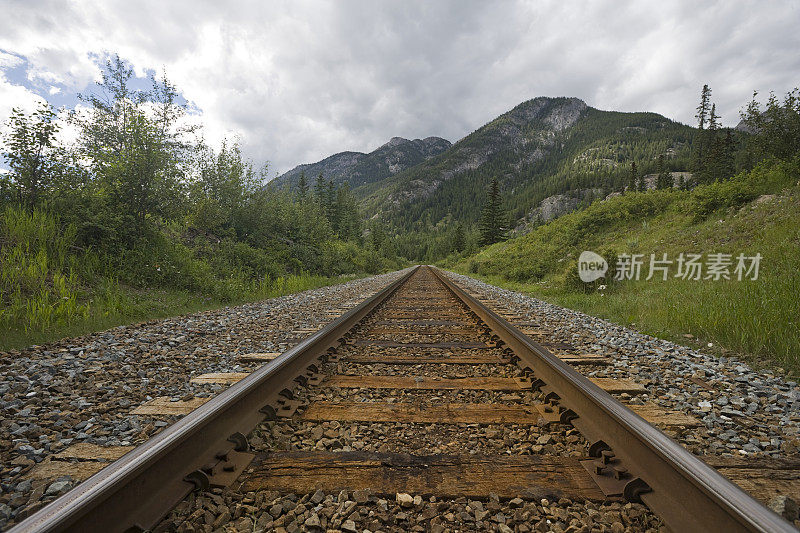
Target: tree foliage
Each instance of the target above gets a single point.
(493, 222)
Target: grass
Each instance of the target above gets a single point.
(755, 320)
(110, 306)
(50, 288)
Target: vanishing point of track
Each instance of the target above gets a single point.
(446, 359)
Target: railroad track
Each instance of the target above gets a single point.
(419, 396)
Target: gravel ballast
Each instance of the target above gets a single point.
(744, 412)
(82, 390)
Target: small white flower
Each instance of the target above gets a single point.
(710, 344)
(601, 287)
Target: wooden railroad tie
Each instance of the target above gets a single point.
(258, 357)
(611, 385)
(163, 405)
(446, 476)
(442, 413)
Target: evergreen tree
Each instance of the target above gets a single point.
(459, 238)
(493, 219)
(728, 162)
(633, 177)
(700, 141)
(664, 178)
(776, 129)
(302, 186)
(319, 189)
(703, 108)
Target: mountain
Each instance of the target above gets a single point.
(359, 169)
(541, 148)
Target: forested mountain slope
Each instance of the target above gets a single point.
(357, 169)
(542, 147)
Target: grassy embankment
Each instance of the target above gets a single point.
(49, 289)
(756, 212)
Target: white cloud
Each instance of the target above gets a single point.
(299, 80)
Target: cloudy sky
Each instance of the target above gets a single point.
(298, 81)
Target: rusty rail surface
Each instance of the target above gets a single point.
(685, 492)
(136, 491)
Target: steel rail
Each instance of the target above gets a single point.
(684, 491)
(136, 491)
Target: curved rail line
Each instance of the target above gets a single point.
(135, 492)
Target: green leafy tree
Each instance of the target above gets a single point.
(134, 145)
(776, 128)
(493, 218)
(37, 161)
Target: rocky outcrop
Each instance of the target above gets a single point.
(556, 206)
(528, 131)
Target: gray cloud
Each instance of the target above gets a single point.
(301, 80)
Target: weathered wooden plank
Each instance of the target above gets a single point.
(411, 322)
(657, 415)
(618, 386)
(80, 461)
(576, 360)
(226, 378)
(423, 359)
(441, 413)
(764, 478)
(86, 451)
(420, 345)
(420, 382)
(531, 476)
(163, 405)
(424, 330)
(258, 357)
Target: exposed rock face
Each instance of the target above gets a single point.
(556, 206)
(529, 130)
(356, 168)
(650, 180)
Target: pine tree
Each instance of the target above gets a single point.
(459, 238)
(703, 108)
(492, 223)
(302, 186)
(664, 179)
(632, 179)
(728, 163)
(319, 189)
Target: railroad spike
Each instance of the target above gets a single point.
(269, 412)
(199, 479)
(597, 447)
(239, 441)
(634, 489)
(567, 416)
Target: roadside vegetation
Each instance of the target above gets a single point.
(140, 218)
(756, 211)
